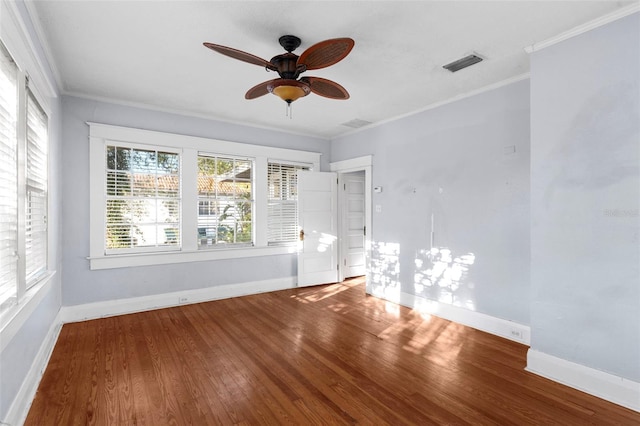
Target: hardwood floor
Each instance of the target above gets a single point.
(319, 355)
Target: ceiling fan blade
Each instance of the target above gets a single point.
(326, 53)
(239, 55)
(327, 88)
(258, 90)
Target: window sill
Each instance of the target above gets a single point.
(162, 258)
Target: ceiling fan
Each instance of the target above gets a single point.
(290, 86)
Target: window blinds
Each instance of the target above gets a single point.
(282, 209)
(8, 178)
(36, 191)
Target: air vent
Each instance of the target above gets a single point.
(467, 61)
(356, 123)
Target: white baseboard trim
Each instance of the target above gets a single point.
(20, 406)
(500, 327)
(146, 303)
(607, 386)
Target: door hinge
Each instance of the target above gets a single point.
(365, 230)
(345, 187)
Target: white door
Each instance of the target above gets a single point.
(353, 224)
(317, 214)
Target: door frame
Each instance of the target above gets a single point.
(357, 164)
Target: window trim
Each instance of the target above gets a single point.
(191, 146)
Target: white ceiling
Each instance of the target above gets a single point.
(150, 53)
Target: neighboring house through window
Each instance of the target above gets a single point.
(225, 201)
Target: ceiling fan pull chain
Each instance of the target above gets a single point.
(289, 112)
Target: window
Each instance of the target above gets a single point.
(158, 198)
(8, 178)
(282, 182)
(225, 201)
(23, 184)
(142, 199)
(36, 191)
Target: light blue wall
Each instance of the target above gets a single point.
(81, 285)
(585, 192)
(17, 359)
(467, 163)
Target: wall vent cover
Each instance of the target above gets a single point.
(465, 62)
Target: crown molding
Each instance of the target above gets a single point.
(42, 39)
(588, 26)
(21, 45)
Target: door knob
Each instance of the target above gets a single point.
(301, 235)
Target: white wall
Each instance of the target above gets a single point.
(467, 164)
(82, 285)
(585, 192)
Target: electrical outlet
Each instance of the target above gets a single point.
(516, 334)
(182, 300)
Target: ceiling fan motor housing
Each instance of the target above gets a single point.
(287, 65)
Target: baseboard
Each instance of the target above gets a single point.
(146, 303)
(497, 326)
(607, 386)
(19, 409)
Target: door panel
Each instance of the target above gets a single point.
(354, 219)
(317, 218)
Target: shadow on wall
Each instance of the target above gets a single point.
(439, 275)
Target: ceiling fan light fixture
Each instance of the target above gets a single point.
(289, 90)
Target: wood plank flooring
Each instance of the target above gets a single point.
(320, 355)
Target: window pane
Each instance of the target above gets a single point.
(8, 180)
(123, 158)
(225, 201)
(143, 199)
(118, 183)
(143, 167)
(119, 236)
